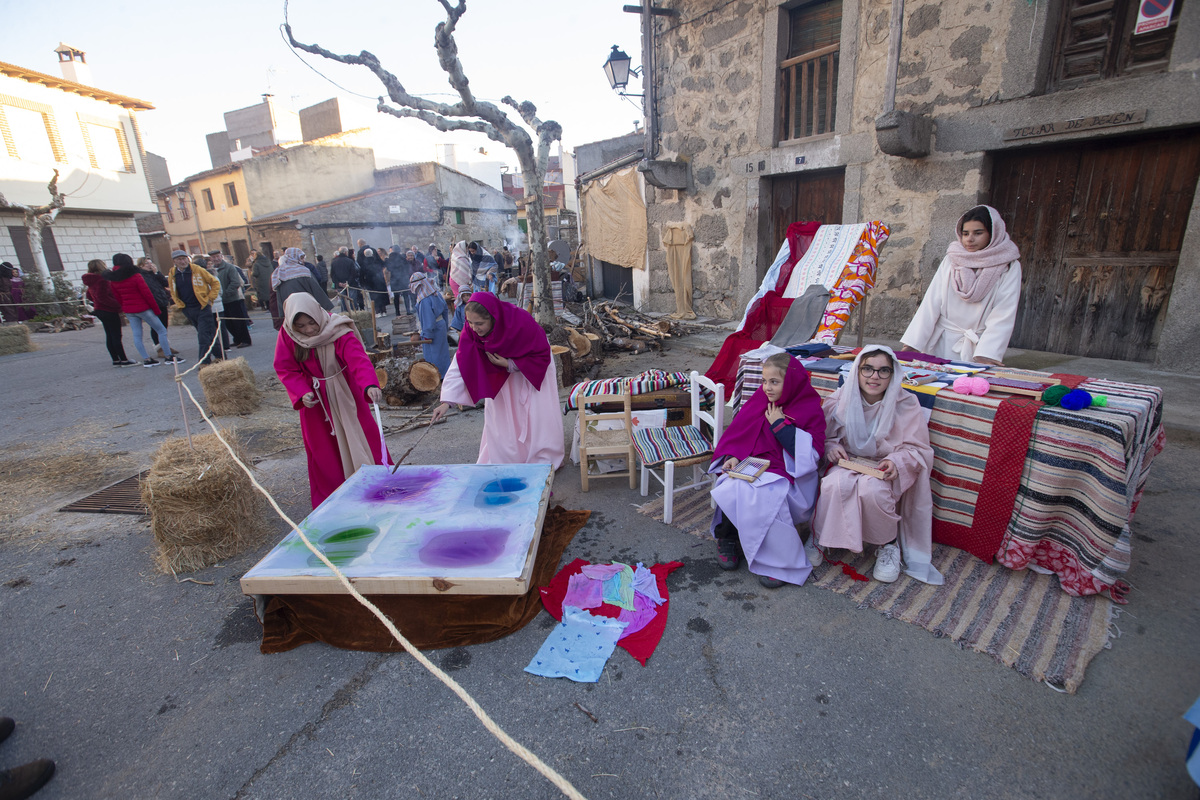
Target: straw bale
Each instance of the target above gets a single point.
(229, 388)
(203, 507)
(177, 318)
(14, 339)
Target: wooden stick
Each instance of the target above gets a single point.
(400, 460)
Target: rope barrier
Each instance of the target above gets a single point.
(561, 783)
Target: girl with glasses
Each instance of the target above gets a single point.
(874, 418)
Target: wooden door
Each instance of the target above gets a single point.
(804, 197)
(1100, 227)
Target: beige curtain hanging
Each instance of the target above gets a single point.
(614, 219)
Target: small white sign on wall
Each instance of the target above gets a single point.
(1153, 15)
(394, 209)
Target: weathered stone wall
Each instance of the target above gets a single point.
(709, 99)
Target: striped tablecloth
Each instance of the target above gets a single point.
(1029, 484)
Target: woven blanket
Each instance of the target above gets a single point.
(1021, 619)
(1080, 479)
(651, 380)
(656, 445)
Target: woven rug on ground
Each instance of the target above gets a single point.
(1020, 618)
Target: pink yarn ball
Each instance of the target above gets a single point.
(970, 384)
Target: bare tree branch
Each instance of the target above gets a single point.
(487, 118)
(37, 219)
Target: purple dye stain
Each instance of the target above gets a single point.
(399, 488)
(468, 548)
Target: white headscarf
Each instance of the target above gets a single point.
(460, 265)
(863, 436)
(290, 266)
(976, 274)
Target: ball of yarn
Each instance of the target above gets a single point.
(1099, 400)
(979, 386)
(1075, 400)
(1054, 394)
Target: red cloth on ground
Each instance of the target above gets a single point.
(767, 313)
(641, 644)
(1012, 430)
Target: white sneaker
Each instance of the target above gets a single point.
(815, 558)
(887, 564)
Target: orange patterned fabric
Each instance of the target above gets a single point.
(857, 277)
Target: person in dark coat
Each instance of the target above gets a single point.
(373, 281)
(162, 295)
(343, 273)
(399, 270)
(321, 273)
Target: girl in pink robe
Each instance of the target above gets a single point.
(871, 416)
(322, 364)
(504, 358)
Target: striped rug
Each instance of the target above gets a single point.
(1020, 618)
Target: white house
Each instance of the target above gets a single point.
(91, 137)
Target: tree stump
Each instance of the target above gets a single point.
(408, 378)
(565, 365)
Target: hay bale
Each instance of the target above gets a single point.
(203, 507)
(14, 339)
(229, 388)
(178, 319)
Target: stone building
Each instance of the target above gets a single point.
(409, 205)
(90, 135)
(1084, 133)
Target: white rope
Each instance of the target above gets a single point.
(561, 783)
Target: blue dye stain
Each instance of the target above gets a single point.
(497, 499)
(468, 548)
(506, 485)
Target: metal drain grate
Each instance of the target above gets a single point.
(123, 497)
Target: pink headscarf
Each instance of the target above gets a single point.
(976, 274)
(516, 335)
(750, 434)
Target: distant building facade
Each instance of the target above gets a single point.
(90, 135)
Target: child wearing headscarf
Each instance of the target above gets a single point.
(433, 315)
(323, 366)
(782, 423)
(970, 308)
(871, 416)
(504, 358)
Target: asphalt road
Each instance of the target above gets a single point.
(141, 686)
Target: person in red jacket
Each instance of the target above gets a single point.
(107, 309)
(138, 305)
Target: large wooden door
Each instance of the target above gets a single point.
(805, 197)
(1100, 227)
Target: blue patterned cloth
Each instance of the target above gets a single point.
(578, 647)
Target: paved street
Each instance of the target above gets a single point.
(143, 686)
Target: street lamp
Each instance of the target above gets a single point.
(617, 70)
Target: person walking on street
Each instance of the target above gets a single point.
(138, 305)
(341, 272)
(162, 295)
(260, 274)
(234, 318)
(193, 290)
(399, 271)
(107, 308)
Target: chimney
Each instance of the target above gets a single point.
(73, 63)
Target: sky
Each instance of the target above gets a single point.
(195, 61)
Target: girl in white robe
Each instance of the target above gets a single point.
(872, 417)
(970, 308)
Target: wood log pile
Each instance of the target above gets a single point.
(404, 379)
(604, 327)
(60, 324)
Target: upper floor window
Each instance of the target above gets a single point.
(1097, 40)
(809, 72)
(29, 131)
(170, 212)
(208, 199)
(231, 197)
(107, 146)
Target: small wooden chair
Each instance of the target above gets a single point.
(686, 446)
(595, 443)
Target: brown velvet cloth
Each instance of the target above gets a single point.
(430, 622)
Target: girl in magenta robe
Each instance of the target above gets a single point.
(322, 364)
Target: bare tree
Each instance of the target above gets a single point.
(37, 219)
(472, 114)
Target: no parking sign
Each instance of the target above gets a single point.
(1152, 15)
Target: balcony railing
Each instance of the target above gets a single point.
(808, 93)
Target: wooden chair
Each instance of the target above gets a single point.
(594, 443)
(686, 446)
